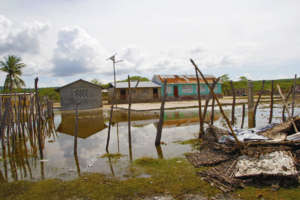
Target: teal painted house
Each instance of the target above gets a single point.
(184, 87)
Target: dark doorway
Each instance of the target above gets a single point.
(123, 94)
(175, 91)
(155, 93)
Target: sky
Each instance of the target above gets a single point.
(61, 41)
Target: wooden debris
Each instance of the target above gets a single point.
(222, 176)
(207, 157)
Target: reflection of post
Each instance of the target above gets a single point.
(118, 140)
(212, 117)
(42, 170)
(250, 105)
(77, 164)
(159, 152)
(110, 165)
(110, 120)
(161, 116)
(76, 129)
(129, 119)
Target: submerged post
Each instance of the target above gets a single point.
(233, 103)
(37, 99)
(250, 105)
(243, 116)
(272, 101)
(161, 116)
(257, 102)
(129, 118)
(294, 95)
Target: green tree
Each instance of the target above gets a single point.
(225, 78)
(96, 81)
(13, 66)
(135, 78)
(243, 78)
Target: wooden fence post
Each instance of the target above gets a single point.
(294, 95)
(272, 102)
(200, 106)
(243, 116)
(37, 99)
(233, 103)
(129, 119)
(250, 105)
(161, 116)
(257, 102)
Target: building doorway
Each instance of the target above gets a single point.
(155, 93)
(123, 94)
(175, 91)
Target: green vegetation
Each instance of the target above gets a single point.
(112, 155)
(13, 67)
(174, 177)
(135, 78)
(285, 84)
(195, 143)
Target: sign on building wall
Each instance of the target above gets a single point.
(202, 88)
(169, 89)
(80, 93)
(187, 89)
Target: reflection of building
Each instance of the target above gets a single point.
(89, 123)
(182, 87)
(87, 94)
(187, 118)
(143, 91)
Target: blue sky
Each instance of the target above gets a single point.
(64, 40)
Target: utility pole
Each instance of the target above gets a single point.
(113, 59)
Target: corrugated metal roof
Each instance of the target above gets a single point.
(184, 78)
(141, 84)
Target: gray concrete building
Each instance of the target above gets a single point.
(87, 94)
(143, 91)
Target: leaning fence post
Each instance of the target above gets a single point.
(161, 116)
(250, 105)
(219, 104)
(200, 106)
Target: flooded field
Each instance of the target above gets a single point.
(59, 161)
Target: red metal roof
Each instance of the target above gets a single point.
(171, 79)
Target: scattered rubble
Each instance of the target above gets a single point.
(268, 156)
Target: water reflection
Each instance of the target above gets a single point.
(62, 163)
(89, 123)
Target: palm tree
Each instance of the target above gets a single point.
(13, 67)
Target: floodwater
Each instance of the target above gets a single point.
(179, 125)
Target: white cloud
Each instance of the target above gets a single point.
(77, 53)
(20, 39)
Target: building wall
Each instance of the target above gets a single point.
(189, 91)
(137, 95)
(88, 95)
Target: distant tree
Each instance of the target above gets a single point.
(135, 78)
(225, 83)
(96, 81)
(243, 78)
(13, 66)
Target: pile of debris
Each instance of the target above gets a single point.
(267, 156)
